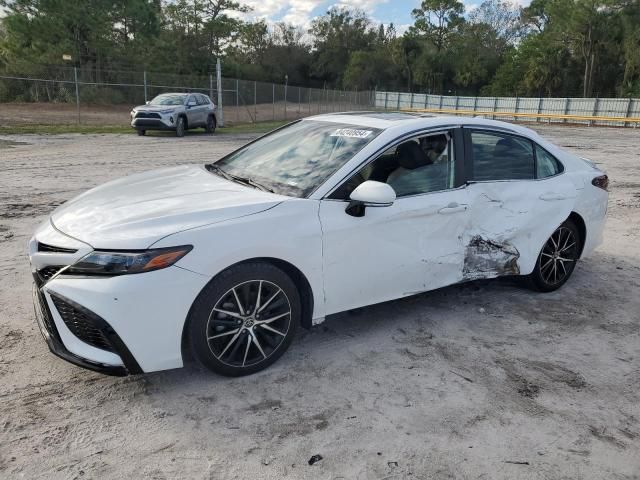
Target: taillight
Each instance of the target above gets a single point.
(601, 182)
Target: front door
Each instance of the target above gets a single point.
(409, 247)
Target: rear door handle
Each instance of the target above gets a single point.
(452, 208)
(549, 197)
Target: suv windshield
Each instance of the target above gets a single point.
(168, 100)
(296, 159)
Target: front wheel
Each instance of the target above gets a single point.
(180, 127)
(557, 259)
(244, 319)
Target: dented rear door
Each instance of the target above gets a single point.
(510, 219)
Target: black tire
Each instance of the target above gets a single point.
(210, 126)
(254, 342)
(142, 133)
(180, 127)
(557, 259)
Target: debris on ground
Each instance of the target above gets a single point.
(315, 459)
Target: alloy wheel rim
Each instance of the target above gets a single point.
(248, 323)
(558, 256)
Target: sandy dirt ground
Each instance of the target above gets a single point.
(485, 380)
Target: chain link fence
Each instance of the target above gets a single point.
(67, 95)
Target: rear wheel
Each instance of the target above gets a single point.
(180, 127)
(210, 127)
(142, 133)
(557, 259)
(245, 319)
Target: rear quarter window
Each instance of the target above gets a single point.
(546, 164)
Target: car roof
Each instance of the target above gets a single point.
(414, 120)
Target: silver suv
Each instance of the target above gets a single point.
(175, 111)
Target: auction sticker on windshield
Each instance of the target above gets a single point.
(351, 132)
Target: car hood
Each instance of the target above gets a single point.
(156, 108)
(136, 211)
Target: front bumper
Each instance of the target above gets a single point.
(163, 122)
(50, 333)
(138, 319)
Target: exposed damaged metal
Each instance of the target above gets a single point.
(486, 258)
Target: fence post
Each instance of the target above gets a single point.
(411, 101)
(628, 111)
(475, 104)
(515, 118)
(220, 110)
(299, 100)
(273, 102)
(237, 100)
(457, 99)
(398, 102)
(440, 107)
(386, 99)
(539, 109)
(145, 85)
(596, 103)
(426, 100)
(495, 107)
(75, 75)
(566, 108)
(210, 86)
(255, 101)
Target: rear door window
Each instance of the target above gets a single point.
(498, 156)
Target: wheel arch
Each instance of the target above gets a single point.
(183, 115)
(582, 228)
(296, 275)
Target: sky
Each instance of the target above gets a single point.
(300, 12)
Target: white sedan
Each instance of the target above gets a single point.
(324, 215)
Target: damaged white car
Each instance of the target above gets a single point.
(324, 215)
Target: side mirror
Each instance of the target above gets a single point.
(370, 194)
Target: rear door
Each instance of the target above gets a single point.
(517, 197)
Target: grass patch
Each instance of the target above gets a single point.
(45, 129)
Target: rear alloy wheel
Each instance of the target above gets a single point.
(180, 127)
(210, 127)
(557, 258)
(245, 319)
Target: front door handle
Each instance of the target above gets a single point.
(453, 207)
(549, 197)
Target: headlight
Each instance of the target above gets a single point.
(121, 263)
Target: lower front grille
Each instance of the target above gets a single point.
(81, 325)
(147, 115)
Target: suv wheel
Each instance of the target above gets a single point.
(142, 133)
(210, 127)
(180, 127)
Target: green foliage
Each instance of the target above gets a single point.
(550, 48)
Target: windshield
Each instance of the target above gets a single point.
(296, 159)
(168, 100)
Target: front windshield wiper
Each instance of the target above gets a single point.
(236, 178)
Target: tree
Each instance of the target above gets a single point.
(336, 36)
